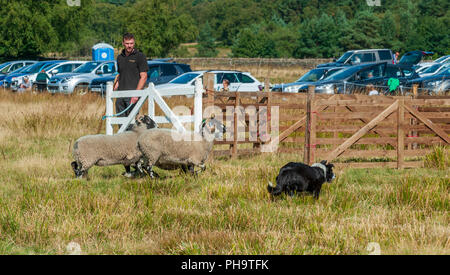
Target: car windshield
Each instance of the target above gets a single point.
(87, 67)
(312, 76)
(4, 65)
(343, 74)
(344, 57)
(432, 69)
(20, 69)
(48, 67)
(184, 79)
(442, 58)
(34, 68)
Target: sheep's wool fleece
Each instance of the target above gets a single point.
(168, 147)
(107, 150)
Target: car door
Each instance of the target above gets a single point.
(371, 75)
(153, 74)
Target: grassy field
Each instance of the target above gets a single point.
(225, 210)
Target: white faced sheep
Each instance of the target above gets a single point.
(104, 150)
(169, 149)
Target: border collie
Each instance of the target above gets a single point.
(296, 177)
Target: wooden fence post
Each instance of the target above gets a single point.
(235, 132)
(413, 121)
(208, 83)
(308, 133)
(400, 133)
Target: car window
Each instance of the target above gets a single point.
(5, 69)
(29, 63)
(312, 76)
(183, 68)
(368, 57)
(168, 69)
(87, 67)
(153, 72)
(243, 78)
(108, 68)
(356, 58)
(16, 66)
(230, 76)
(67, 68)
(385, 55)
(371, 72)
(393, 72)
(184, 78)
(344, 57)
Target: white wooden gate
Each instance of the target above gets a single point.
(153, 96)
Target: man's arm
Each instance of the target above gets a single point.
(140, 86)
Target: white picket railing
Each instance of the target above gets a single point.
(153, 96)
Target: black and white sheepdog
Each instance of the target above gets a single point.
(296, 177)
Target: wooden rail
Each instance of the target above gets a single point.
(351, 130)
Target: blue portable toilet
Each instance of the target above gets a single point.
(102, 52)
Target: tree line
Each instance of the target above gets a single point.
(250, 28)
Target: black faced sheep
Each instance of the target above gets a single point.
(104, 150)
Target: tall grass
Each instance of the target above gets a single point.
(225, 210)
(439, 158)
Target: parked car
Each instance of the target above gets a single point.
(12, 66)
(434, 83)
(359, 57)
(351, 77)
(301, 84)
(434, 69)
(13, 80)
(3, 76)
(443, 59)
(159, 72)
(78, 81)
(239, 81)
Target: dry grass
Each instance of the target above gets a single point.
(226, 210)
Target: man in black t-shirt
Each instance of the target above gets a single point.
(132, 67)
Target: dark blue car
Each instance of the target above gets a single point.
(159, 72)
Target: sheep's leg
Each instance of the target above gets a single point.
(192, 169)
(79, 171)
(127, 172)
(149, 170)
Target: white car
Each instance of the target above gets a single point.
(239, 82)
(434, 69)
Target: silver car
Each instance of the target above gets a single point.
(78, 81)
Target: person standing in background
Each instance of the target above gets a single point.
(132, 67)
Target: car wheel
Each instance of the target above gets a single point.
(81, 89)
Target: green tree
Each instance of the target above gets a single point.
(157, 28)
(254, 41)
(206, 42)
(25, 31)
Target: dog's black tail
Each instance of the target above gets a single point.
(274, 189)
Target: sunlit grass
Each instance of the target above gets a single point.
(225, 210)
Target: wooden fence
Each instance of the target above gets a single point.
(351, 130)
